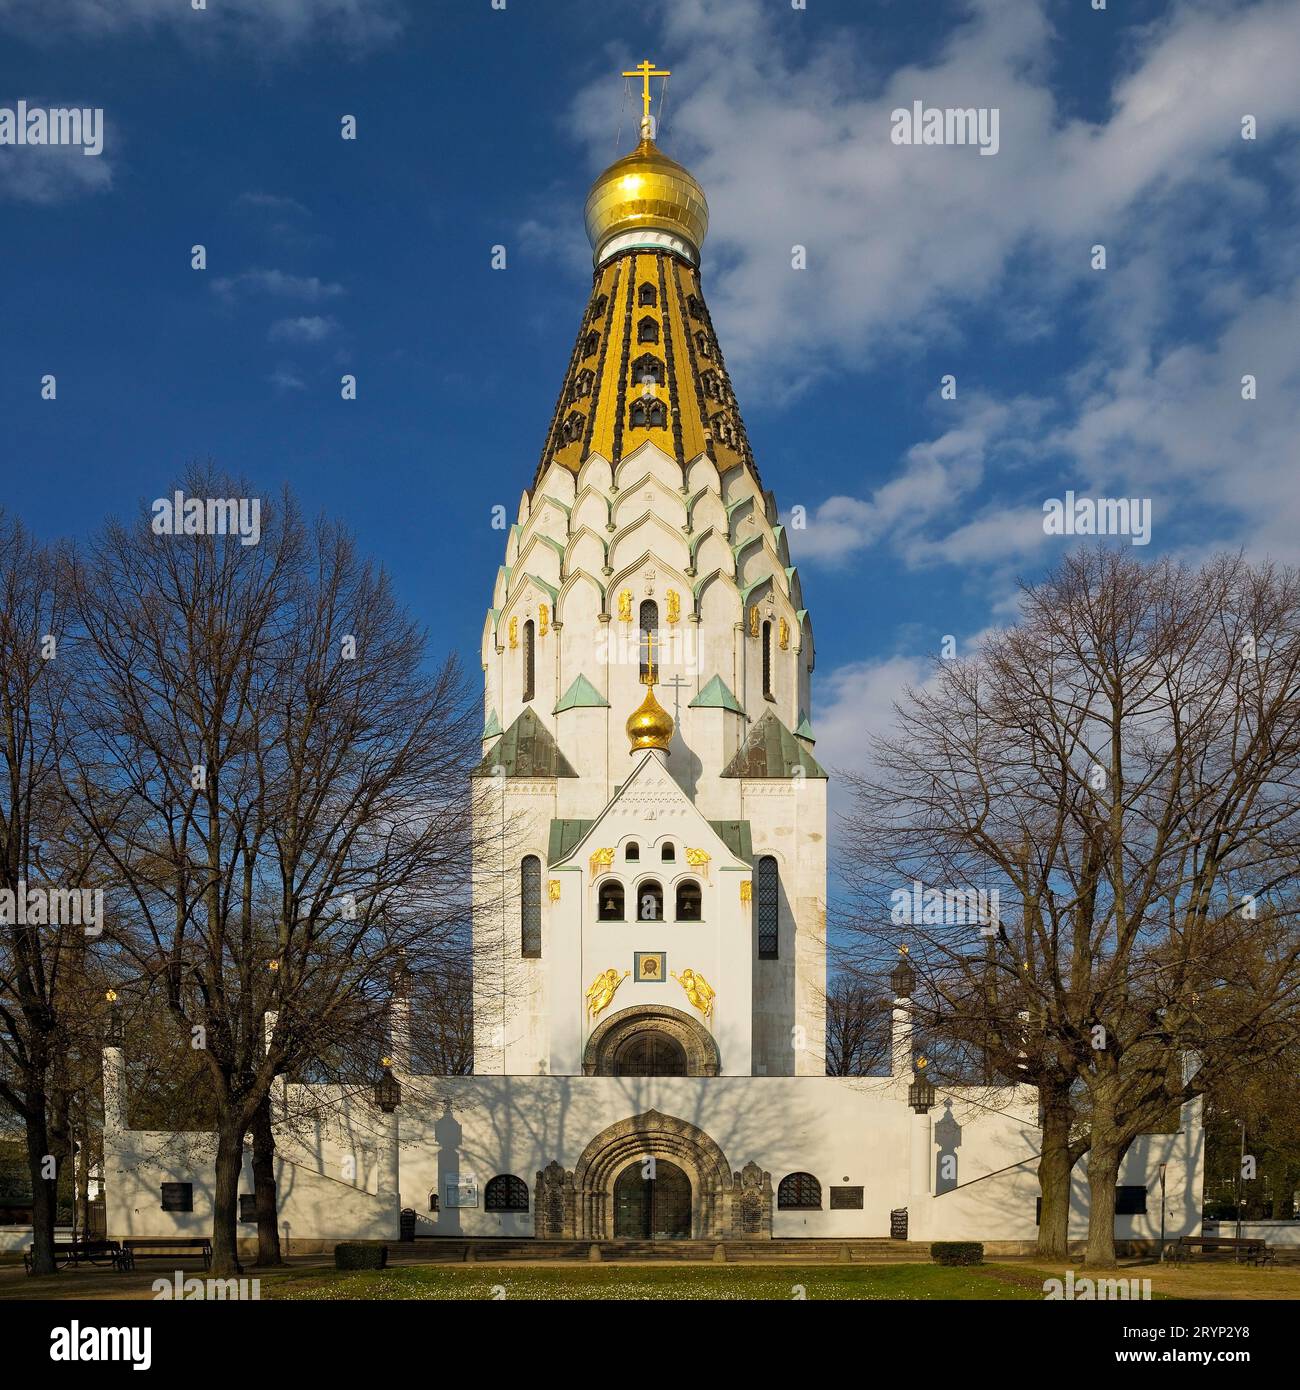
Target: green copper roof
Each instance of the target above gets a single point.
(581, 695)
(566, 836)
(805, 728)
(526, 750)
(715, 695)
(771, 750)
(493, 726)
(737, 838)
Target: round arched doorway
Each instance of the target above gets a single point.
(649, 1053)
(653, 1207)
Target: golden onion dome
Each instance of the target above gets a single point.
(646, 199)
(649, 725)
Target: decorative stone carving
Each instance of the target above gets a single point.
(578, 1205)
(696, 1041)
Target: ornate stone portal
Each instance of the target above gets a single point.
(578, 1204)
(606, 1040)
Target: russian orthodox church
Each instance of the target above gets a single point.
(650, 945)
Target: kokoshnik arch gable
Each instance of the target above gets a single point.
(650, 961)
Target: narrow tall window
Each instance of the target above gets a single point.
(529, 662)
(530, 907)
(768, 908)
(767, 662)
(647, 294)
(647, 331)
(649, 641)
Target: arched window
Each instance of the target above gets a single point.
(767, 661)
(702, 343)
(649, 641)
(590, 343)
(610, 899)
(433, 1200)
(647, 331)
(712, 385)
(650, 901)
(669, 852)
(650, 1053)
(633, 850)
(582, 384)
(530, 907)
(598, 306)
(505, 1192)
(768, 908)
(529, 661)
(648, 367)
(695, 306)
(689, 901)
(647, 294)
(572, 430)
(799, 1192)
(724, 429)
(647, 415)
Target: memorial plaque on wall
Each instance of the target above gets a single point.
(898, 1224)
(846, 1199)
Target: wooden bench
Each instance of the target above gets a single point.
(77, 1251)
(1243, 1250)
(165, 1247)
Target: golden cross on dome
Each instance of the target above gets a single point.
(650, 678)
(645, 71)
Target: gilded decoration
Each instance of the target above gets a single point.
(746, 890)
(514, 633)
(625, 606)
(699, 859)
(698, 991)
(674, 606)
(553, 890)
(543, 619)
(753, 620)
(603, 989)
(784, 635)
(601, 859)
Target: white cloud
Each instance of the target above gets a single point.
(48, 174)
(279, 284)
(267, 23)
(306, 329)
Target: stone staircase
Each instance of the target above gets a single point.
(871, 1250)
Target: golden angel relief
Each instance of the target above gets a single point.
(603, 989)
(698, 990)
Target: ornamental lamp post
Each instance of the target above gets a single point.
(388, 1091)
(902, 979)
(921, 1093)
(114, 1019)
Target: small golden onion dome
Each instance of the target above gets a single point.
(649, 725)
(646, 191)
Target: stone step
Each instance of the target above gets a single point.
(446, 1250)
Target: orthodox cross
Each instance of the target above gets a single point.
(645, 71)
(650, 639)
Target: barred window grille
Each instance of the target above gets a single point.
(505, 1192)
(799, 1192)
(530, 908)
(769, 915)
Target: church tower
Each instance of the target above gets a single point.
(658, 904)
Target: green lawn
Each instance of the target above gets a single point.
(653, 1282)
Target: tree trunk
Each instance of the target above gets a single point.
(45, 1191)
(225, 1200)
(1054, 1168)
(1103, 1175)
(268, 1230)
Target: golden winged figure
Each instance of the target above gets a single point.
(698, 990)
(603, 989)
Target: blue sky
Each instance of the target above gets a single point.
(478, 126)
